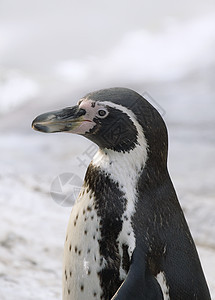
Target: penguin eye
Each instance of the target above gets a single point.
(102, 113)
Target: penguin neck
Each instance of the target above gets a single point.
(124, 168)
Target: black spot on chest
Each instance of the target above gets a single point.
(110, 204)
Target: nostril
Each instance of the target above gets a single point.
(81, 112)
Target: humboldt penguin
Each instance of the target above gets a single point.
(127, 238)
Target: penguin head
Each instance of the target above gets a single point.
(117, 119)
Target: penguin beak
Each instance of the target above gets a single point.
(67, 119)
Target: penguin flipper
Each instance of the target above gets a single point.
(139, 284)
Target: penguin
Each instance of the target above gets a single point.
(127, 237)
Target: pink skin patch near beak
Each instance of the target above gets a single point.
(83, 127)
(91, 108)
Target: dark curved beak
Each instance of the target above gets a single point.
(66, 119)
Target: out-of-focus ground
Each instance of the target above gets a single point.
(51, 55)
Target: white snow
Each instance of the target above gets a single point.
(15, 89)
(173, 51)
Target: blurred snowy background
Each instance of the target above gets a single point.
(52, 53)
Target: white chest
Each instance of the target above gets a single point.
(82, 256)
(82, 260)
